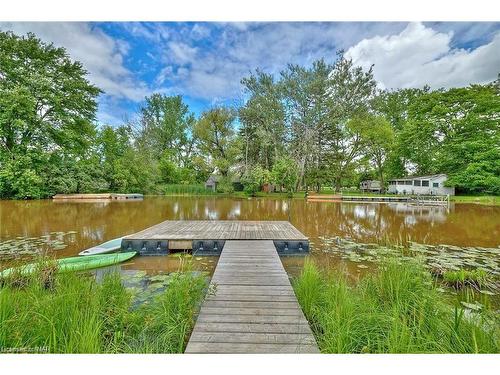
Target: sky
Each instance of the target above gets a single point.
(205, 62)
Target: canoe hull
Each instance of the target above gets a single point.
(104, 248)
(74, 264)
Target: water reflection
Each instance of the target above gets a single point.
(96, 222)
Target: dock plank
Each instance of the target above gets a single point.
(254, 308)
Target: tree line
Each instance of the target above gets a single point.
(323, 125)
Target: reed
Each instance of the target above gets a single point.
(395, 310)
(181, 189)
(76, 314)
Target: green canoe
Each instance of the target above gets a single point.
(76, 263)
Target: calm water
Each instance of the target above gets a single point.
(95, 222)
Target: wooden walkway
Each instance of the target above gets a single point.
(253, 308)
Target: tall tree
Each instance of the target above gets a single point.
(350, 91)
(305, 97)
(377, 137)
(47, 107)
(165, 126)
(215, 136)
(262, 121)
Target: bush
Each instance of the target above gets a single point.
(180, 189)
(225, 185)
(254, 178)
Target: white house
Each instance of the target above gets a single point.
(426, 185)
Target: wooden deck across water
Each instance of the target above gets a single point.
(220, 229)
(254, 308)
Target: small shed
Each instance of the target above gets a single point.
(212, 182)
(370, 186)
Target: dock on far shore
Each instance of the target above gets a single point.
(104, 196)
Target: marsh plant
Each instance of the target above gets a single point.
(396, 309)
(74, 313)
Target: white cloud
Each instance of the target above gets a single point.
(420, 55)
(181, 53)
(101, 55)
(236, 49)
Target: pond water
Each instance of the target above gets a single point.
(64, 228)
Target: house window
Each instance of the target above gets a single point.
(408, 182)
(425, 183)
(435, 184)
(401, 182)
(416, 182)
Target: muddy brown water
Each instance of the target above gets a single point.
(97, 221)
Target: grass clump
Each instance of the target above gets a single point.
(77, 314)
(181, 189)
(462, 278)
(396, 310)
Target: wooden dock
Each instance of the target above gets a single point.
(253, 308)
(207, 237)
(104, 196)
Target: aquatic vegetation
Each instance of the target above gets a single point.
(34, 246)
(181, 189)
(396, 309)
(79, 313)
(438, 258)
(462, 278)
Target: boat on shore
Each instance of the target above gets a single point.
(104, 248)
(73, 264)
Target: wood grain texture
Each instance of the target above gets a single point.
(253, 308)
(220, 229)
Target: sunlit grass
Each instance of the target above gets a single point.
(395, 310)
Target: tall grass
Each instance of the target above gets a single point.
(76, 314)
(396, 310)
(180, 189)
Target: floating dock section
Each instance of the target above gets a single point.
(104, 196)
(208, 237)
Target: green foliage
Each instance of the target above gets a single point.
(180, 189)
(285, 173)
(254, 178)
(328, 119)
(476, 278)
(73, 313)
(216, 137)
(225, 185)
(396, 310)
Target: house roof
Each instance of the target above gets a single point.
(428, 177)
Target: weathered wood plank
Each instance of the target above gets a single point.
(234, 348)
(252, 337)
(252, 327)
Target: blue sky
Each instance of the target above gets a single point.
(204, 62)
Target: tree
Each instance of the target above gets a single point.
(285, 173)
(456, 131)
(47, 107)
(263, 121)
(165, 125)
(215, 136)
(350, 91)
(254, 178)
(306, 98)
(377, 138)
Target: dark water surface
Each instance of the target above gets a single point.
(79, 225)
